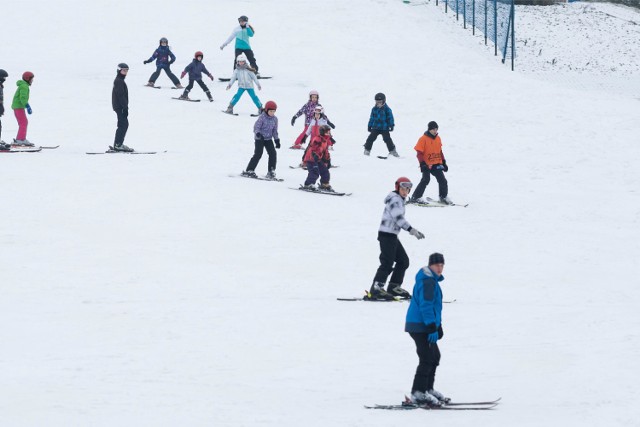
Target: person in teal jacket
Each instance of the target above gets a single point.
(19, 105)
(242, 33)
(424, 325)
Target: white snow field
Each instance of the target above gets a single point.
(158, 291)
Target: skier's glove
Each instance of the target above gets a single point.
(259, 136)
(221, 47)
(211, 76)
(433, 337)
(228, 87)
(333, 141)
(390, 128)
(172, 61)
(1, 109)
(417, 234)
(29, 110)
(331, 124)
(277, 140)
(438, 167)
(182, 74)
(293, 120)
(423, 167)
(444, 166)
(369, 128)
(145, 62)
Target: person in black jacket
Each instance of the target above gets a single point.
(120, 103)
(3, 75)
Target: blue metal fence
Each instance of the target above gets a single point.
(494, 18)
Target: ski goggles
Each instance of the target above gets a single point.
(406, 185)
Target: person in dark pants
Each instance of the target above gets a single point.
(432, 162)
(120, 103)
(391, 250)
(424, 325)
(195, 70)
(3, 75)
(380, 123)
(241, 34)
(164, 58)
(265, 132)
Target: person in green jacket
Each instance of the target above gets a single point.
(242, 33)
(19, 105)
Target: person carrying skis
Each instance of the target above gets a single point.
(265, 132)
(391, 250)
(3, 76)
(380, 123)
(242, 33)
(195, 70)
(19, 105)
(164, 58)
(424, 325)
(317, 159)
(245, 77)
(120, 104)
(432, 162)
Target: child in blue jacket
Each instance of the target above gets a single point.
(380, 123)
(196, 69)
(164, 58)
(424, 325)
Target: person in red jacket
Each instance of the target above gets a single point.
(318, 160)
(432, 162)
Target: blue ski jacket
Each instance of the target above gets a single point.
(381, 118)
(162, 55)
(425, 310)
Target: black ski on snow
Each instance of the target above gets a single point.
(450, 406)
(318, 191)
(259, 178)
(190, 100)
(365, 298)
(225, 79)
(430, 200)
(386, 157)
(160, 87)
(112, 151)
(427, 205)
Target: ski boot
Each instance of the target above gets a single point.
(209, 96)
(229, 109)
(397, 291)
(185, 95)
(122, 148)
(179, 86)
(151, 84)
(309, 187)
(4, 146)
(423, 398)
(446, 200)
(23, 142)
(377, 292)
(394, 153)
(249, 174)
(326, 187)
(439, 396)
(367, 152)
(271, 174)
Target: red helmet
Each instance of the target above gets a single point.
(270, 105)
(27, 76)
(403, 182)
(198, 53)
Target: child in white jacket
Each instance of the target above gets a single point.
(245, 77)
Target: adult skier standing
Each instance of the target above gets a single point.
(120, 104)
(424, 325)
(164, 58)
(242, 33)
(391, 249)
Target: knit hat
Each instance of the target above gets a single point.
(241, 57)
(432, 125)
(436, 258)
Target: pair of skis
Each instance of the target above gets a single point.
(433, 203)
(28, 149)
(112, 151)
(449, 406)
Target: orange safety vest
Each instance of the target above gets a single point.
(430, 149)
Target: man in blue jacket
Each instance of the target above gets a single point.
(424, 324)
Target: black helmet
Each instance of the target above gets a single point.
(164, 39)
(122, 66)
(3, 74)
(243, 18)
(380, 97)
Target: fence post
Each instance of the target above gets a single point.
(457, 11)
(495, 26)
(473, 16)
(485, 21)
(513, 34)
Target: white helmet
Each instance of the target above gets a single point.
(314, 92)
(318, 109)
(242, 57)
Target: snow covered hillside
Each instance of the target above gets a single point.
(156, 290)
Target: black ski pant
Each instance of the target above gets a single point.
(391, 251)
(123, 125)
(167, 69)
(190, 86)
(249, 54)
(429, 359)
(443, 188)
(261, 145)
(386, 137)
(0, 129)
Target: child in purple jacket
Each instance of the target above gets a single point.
(265, 132)
(195, 70)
